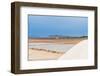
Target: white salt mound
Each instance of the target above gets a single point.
(79, 51)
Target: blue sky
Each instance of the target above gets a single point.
(44, 26)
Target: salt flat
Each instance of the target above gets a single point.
(52, 49)
(52, 46)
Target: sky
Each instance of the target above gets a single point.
(44, 26)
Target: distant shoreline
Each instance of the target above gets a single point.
(59, 36)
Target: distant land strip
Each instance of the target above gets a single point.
(58, 37)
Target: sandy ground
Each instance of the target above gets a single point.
(36, 54)
(60, 41)
(43, 55)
